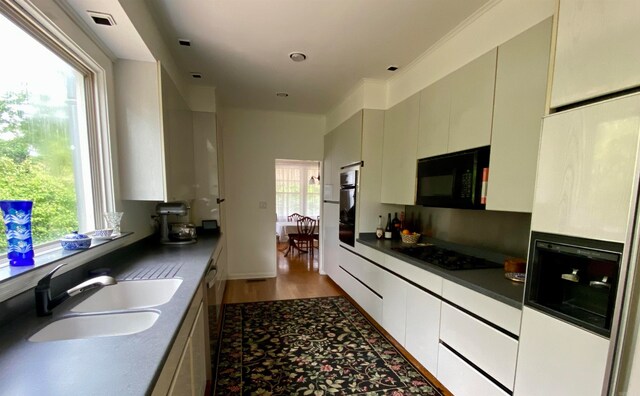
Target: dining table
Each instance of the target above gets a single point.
(285, 228)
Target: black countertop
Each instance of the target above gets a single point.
(119, 365)
(489, 282)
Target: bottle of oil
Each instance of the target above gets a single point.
(379, 230)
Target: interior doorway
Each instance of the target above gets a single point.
(298, 193)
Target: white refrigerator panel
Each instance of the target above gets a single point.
(586, 170)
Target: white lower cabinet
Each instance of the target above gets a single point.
(360, 279)
(422, 330)
(483, 345)
(394, 306)
(367, 272)
(199, 354)
(185, 370)
(182, 384)
(558, 358)
(462, 379)
(191, 376)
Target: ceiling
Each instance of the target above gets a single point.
(242, 46)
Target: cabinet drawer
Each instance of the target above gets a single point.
(491, 350)
(426, 279)
(367, 299)
(372, 254)
(362, 269)
(500, 314)
(461, 378)
(422, 331)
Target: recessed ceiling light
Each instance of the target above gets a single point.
(186, 43)
(100, 18)
(196, 75)
(392, 68)
(297, 56)
(282, 94)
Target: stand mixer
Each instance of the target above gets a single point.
(186, 232)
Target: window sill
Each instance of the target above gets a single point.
(14, 280)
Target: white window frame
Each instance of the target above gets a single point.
(24, 14)
(305, 166)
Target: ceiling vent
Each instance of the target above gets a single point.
(196, 75)
(183, 42)
(392, 68)
(100, 18)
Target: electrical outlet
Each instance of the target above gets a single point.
(262, 204)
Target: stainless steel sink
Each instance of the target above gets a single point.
(91, 326)
(130, 295)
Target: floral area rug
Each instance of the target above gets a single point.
(317, 346)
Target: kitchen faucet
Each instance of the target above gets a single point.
(44, 302)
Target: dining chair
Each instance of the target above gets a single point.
(294, 217)
(303, 240)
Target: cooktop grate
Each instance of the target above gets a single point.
(447, 259)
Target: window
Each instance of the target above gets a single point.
(294, 192)
(45, 97)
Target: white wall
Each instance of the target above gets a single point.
(145, 24)
(491, 26)
(253, 140)
(368, 94)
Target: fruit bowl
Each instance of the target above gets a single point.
(410, 238)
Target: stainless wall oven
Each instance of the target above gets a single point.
(574, 279)
(347, 221)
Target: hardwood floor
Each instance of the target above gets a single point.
(298, 277)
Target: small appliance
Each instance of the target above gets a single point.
(574, 279)
(454, 180)
(175, 233)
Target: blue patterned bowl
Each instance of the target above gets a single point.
(75, 241)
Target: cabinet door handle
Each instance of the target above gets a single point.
(219, 200)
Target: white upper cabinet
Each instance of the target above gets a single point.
(586, 170)
(155, 135)
(435, 110)
(456, 111)
(597, 49)
(178, 143)
(343, 146)
(521, 85)
(472, 103)
(330, 177)
(399, 152)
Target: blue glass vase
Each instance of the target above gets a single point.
(17, 223)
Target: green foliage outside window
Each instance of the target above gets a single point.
(36, 164)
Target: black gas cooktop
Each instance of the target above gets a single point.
(445, 258)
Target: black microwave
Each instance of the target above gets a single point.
(454, 180)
